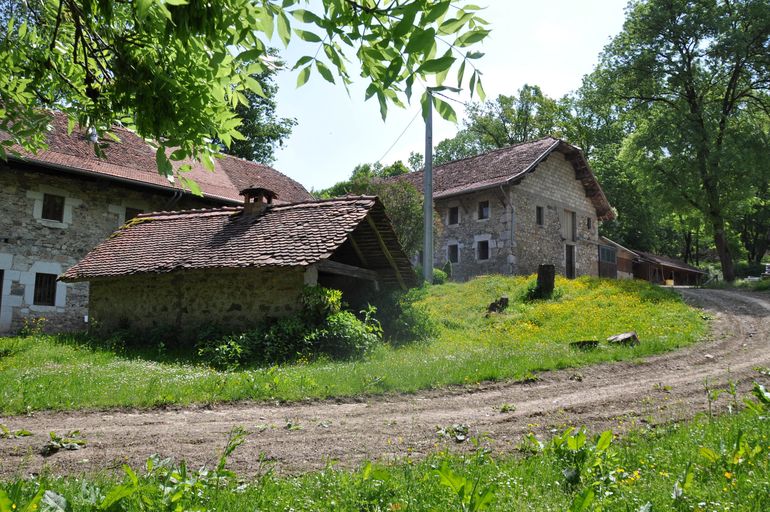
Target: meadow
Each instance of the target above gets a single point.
(77, 372)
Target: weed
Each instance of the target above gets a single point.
(6, 433)
(457, 432)
(70, 441)
(507, 407)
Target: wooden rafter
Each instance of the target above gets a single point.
(342, 269)
(386, 251)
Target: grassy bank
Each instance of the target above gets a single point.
(704, 465)
(60, 372)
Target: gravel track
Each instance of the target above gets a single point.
(624, 395)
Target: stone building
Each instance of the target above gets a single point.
(231, 267)
(509, 210)
(57, 205)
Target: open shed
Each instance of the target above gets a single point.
(232, 267)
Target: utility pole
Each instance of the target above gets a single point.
(427, 177)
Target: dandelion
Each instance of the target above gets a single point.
(728, 475)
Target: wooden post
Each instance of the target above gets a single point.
(546, 275)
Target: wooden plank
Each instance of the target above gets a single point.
(356, 248)
(335, 267)
(386, 252)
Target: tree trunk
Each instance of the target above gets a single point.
(723, 250)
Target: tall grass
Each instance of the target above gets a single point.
(63, 372)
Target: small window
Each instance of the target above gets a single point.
(482, 250)
(540, 216)
(607, 254)
(483, 210)
(53, 207)
(589, 223)
(453, 216)
(132, 212)
(45, 290)
(453, 253)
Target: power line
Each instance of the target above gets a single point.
(399, 137)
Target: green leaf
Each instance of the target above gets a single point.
(605, 439)
(191, 185)
(709, 454)
(421, 41)
(116, 494)
(436, 12)
(162, 162)
(5, 502)
(302, 61)
(306, 16)
(284, 28)
(325, 72)
(254, 86)
(308, 36)
(480, 90)
(470, 38)
(451, 26)
(437, 65)
(303, 76)
(176, 2)
(582, 501)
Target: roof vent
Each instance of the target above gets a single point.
(256, 200)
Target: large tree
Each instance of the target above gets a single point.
(175, 70)
(689, 70)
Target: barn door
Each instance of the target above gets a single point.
(570, 261)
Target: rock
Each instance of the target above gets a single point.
(498, 306)
(626, 338)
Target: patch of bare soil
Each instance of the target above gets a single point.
(301, 437)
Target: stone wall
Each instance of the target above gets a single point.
(29, 244)
(517, 244)
(183, 302)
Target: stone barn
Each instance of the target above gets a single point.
(231, 267)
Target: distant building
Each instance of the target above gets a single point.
(509, 210)
(231, 267)
(617, 262)
(57, 205)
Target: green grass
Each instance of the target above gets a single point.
(702, 458)
(61, 372)
(743, 284)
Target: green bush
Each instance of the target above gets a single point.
(439, 276)
(403, 321)
(226, 353)
(319, 302)
(283, 339)
(344, 336)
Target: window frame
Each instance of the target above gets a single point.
(449, 253)
(589, 223)
(478, 250)
(44, 293)
(449, 222)
(53, 202)
(488, 210)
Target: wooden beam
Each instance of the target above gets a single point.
(386, 252)
(335, 267)
(357, 249)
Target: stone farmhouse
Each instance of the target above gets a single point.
(57, 205)
(233, 266)
(509, 210)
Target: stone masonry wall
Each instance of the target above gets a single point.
(554, 187)
(29, 244)
(183, 302)
(517, 244)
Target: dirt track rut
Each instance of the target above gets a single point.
(662, 388)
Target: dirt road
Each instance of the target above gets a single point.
(618, 395)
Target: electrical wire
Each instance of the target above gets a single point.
(401, 135)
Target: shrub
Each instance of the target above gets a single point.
(282, 339)
(345, 336)
(403, 321)
(319, 302)
(439, 276)
(226, 353)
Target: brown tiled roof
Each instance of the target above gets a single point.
(293, 235)
(133, 160)
(669, 262)
(507, 166)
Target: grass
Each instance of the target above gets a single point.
(703, 465)
(743, 284)
(64, 372)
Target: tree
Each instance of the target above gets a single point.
(175, 70)
(688, 70)
(505, 121)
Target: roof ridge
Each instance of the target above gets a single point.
(192, 211)
(497, 150)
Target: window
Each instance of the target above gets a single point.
(607, 254)
(53, 207)
(482, 250)
(569, 228)
(453, 253)
(132, 212)
(483, 210)
(540, 216)
(453, 216)
(589, 223)
(45, 290)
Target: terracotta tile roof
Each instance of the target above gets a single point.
(293, 235)
(506, 166)
(133, 160)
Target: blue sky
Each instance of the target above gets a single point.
(552, 44)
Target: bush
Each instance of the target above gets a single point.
(283, 339)
(319, 302)
(226, 353)
(345, 336)
(402, 320)
(439, 276)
